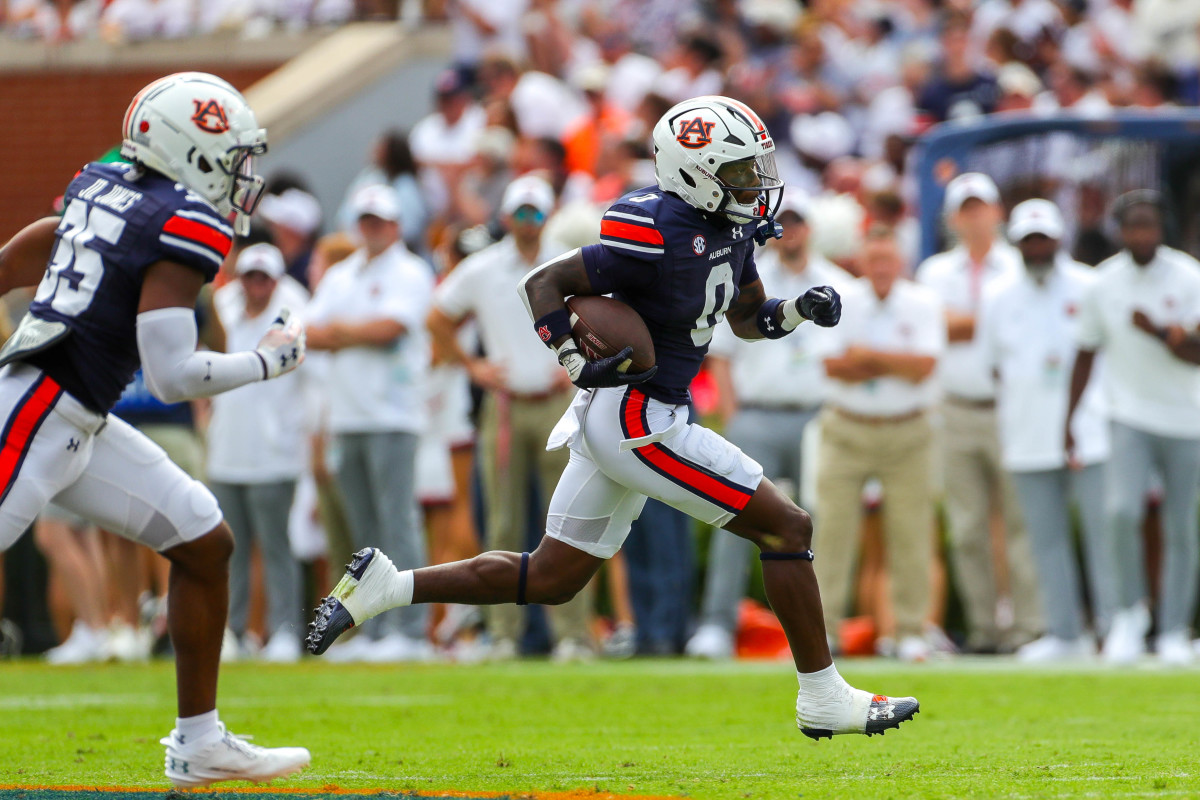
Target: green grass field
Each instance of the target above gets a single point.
(662, 728)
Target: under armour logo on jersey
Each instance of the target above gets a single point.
(210, 117)
(73, 445)
(698, 128)
(208, 375)
(737, 232)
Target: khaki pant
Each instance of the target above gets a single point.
(512, 450)
(899, 454)
(975, 479)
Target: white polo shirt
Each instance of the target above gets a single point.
(1146, 387)
(257, 433)
(962, 286)
(1027, 331)
(377, 389)
(788, 371)
(909, 320)
(485, 285)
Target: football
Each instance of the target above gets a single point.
(603, 327)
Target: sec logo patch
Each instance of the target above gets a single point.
(699, 245)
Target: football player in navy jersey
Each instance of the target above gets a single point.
(117, 279)
(682, 255)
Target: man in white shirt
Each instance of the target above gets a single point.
(443, 143)
(256, 451)
(769, 393)
(975, 480)
(1028, 331)
(1143, 311)
(527, 392)
(875, 424)
(369, 313)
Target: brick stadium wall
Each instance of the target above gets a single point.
(55, 121)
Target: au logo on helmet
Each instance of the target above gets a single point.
(696, 127)
(210, 116)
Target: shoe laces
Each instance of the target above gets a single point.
(239, 743)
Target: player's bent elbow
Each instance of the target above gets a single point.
(793, 534)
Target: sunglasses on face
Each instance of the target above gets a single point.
(529, 214)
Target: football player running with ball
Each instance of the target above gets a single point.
(117, 279)
(682, 255)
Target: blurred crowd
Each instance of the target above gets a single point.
(938, 467)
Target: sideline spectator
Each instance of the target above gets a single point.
(369, 313)
(1028, 331)
(1143, 312)
(882, 358)
(293, 219)
(975, 478)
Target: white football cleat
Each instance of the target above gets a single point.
(850, 710)
(225, 757)
(358, 596)
(1126, 640)
(710, 641)
(1051, 649)
(85, 645)
(1174, 648)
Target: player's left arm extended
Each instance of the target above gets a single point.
(24, 257)
(167, 338)
(755, 316)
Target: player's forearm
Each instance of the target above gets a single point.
(24, 258)
(911, 367)
(175, 371)
(545, 289)
(444, 332)
(372, 333)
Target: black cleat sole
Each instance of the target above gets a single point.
(331, 621)
(903, 713)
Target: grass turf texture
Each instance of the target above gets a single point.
(639, 728)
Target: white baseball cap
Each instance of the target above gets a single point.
(294, 209)
(261, 258)
(377, 200)
(1035, 216)
(528, 190)
(795, 200)
(968, 185)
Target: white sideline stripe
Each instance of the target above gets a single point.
(623, 215)
(638, 248)
(207, 219)
(71, 700)
(183, 244)
(50, 701)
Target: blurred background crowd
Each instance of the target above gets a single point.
(935, 472)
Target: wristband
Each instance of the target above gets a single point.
(553, 326)
(768, 325)
(792, 316)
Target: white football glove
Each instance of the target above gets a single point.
(282, 347)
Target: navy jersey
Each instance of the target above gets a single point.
(680, 269)
(116, 223)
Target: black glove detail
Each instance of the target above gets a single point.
(603, 372)
(822, 305)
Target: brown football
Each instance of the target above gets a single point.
(604, 327)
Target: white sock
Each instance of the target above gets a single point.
(821, 683)
(197, 728)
